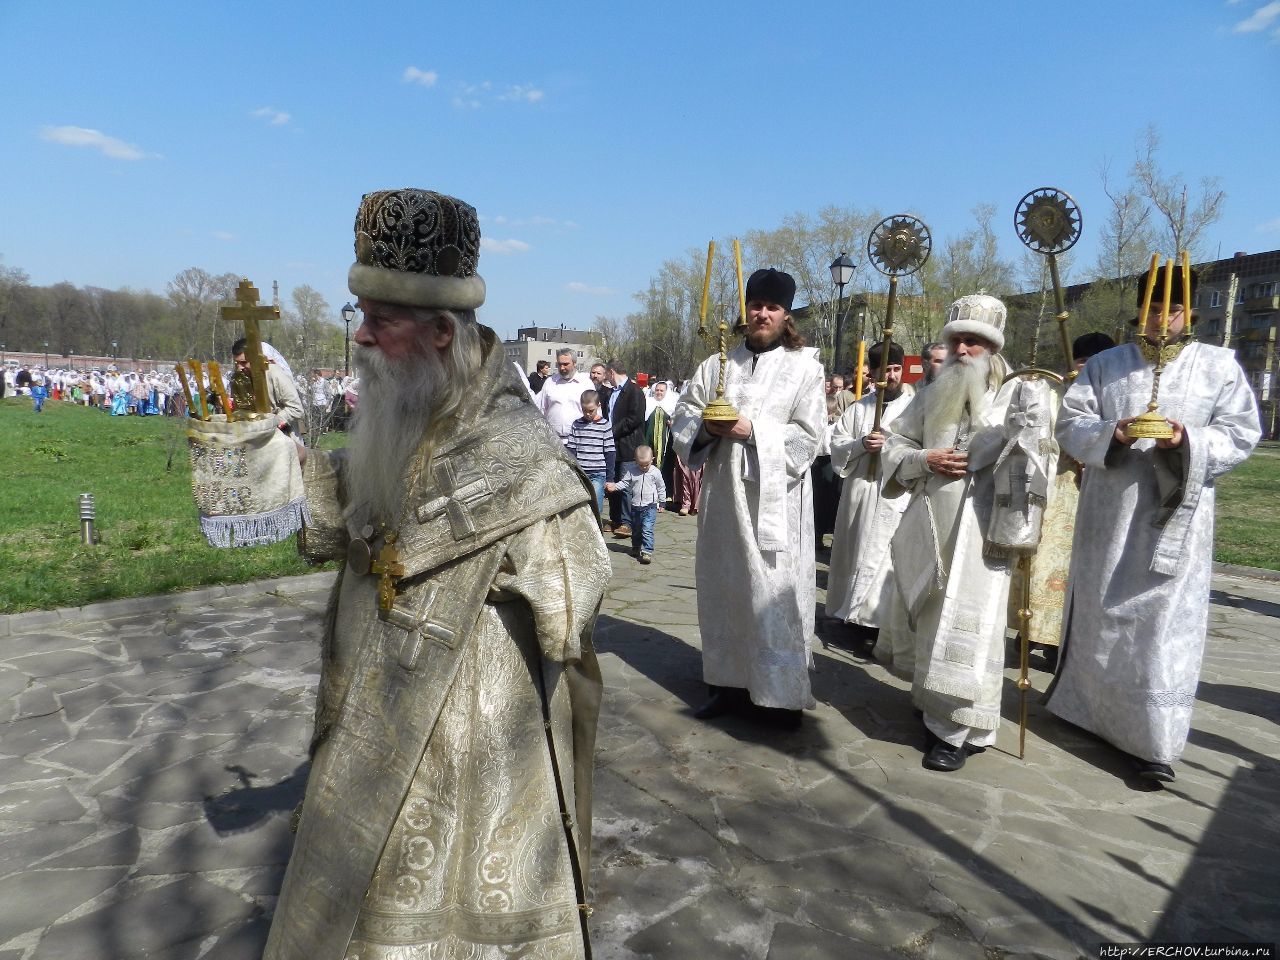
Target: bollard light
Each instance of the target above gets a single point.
(86, 519)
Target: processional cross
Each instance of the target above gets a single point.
(250, 393)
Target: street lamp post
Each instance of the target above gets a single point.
(348, 313)
(46, 354)
(114, 345)
(842, 269)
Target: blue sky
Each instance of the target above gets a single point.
(597, 140)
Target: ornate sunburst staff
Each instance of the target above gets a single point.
(1048, 221)
(898, 247)
(719, 408)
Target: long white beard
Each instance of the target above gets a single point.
(396, 401)
(961, 383)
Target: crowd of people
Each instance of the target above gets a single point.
(313, 404)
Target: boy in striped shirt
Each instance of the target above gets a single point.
(590, 441)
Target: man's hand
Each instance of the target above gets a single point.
(738, 430)
(1122, 434)
(873, 442)
(947, 461)
(611, 487)
(1172, 443)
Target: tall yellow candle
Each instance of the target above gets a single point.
(1146, 297)
(862, 357)
(706, 285)
(742, 290)
(1186, 292)
(1167, 300)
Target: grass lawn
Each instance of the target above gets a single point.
(151, 540)
(1247, 529)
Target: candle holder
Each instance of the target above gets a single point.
(1152, 425)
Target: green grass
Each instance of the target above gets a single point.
(151, 535)
(1247, 527)
(151, 540)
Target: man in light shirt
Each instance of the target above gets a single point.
(561, 398)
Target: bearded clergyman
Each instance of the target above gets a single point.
(946, 628)
(755, 559)
(860, 579)
(448, 809)
(1137, 604)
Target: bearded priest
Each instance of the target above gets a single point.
(755, 560)
(860, 581)
(946, 628)
(448, 808)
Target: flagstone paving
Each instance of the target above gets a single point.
(151, 752)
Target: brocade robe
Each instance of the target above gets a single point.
(447, 813)
(860, 579)
(755, 561)
(1138, 597)
(945, 628)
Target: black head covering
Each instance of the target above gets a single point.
(895, 356)
(1157, 293)
(1090, 344)
(772, 286)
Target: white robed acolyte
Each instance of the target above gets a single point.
(755, 560)
(946, 628)
(860, 582)
(1137, 604)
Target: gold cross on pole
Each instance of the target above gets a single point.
(248, 314)
(388, 567)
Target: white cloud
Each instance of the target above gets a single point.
(277, 118)
(223, 235)
(84, 137)
(522, 92)
(504, 246)
(425, 78)
(576, 286)
(1271, 226)
(518, 222)
(1260, 19)
(472, 96)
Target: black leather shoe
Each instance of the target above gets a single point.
(723, 700)
(943, 756)
(1150, 770)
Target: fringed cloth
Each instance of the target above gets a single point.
(246, 480)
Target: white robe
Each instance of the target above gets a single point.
(755, 560)
(1137, 602)
(860, 578)
(952, 645)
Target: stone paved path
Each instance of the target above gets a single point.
(150, 752)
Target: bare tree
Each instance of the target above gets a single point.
(1183, 216)
(196, 296)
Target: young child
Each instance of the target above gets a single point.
(39, 394)
(645, 488)
(590, 441)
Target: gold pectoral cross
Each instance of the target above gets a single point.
(388, 567)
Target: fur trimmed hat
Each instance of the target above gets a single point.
(978, 314)
(417, 248)
(771, 286)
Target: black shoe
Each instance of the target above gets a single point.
(723, 700)
(786, 719)
(943, 756)
(1150, 770)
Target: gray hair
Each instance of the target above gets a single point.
(564, 352)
